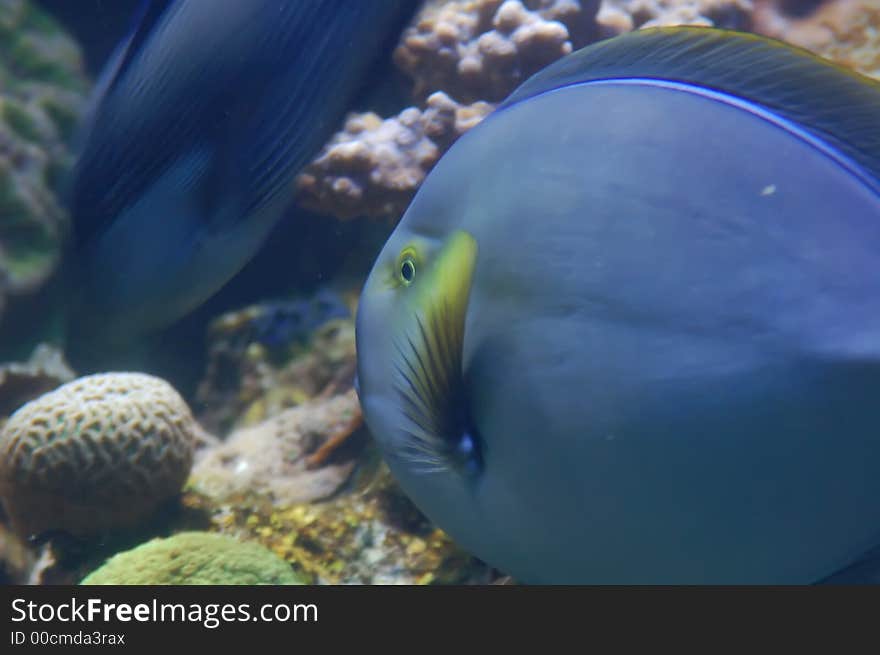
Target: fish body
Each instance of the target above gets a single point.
(197, 126)
(662, 363)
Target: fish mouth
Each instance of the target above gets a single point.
(438, 432)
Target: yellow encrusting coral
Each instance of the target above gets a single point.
(372, 535)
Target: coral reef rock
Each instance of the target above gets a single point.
(269, 460)
(21, 382)
(98, 453)
(483, 49)
(194, 558)
(16, 559)
(42, 93)
(296, 472)
(370, 534)
(845, 31)
(373, 167)
(254, 373)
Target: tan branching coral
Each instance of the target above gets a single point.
(482, 49)
(374, 166)
(617, 16)
(845, 31)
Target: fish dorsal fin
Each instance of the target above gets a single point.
(832, 103)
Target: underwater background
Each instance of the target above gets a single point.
(247, 403)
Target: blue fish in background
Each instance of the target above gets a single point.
(198, 124)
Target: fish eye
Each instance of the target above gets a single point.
(404, 271)
(407, 270)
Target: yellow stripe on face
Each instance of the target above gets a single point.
(430, 353)
(448, 279)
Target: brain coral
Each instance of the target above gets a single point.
(194, 558)
(98, 453)
(42, 91)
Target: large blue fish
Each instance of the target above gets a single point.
(628, 331)
(198, 125)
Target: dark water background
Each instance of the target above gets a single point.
(96, 24)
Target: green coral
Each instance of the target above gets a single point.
(62, 114)
(33, 46)
(11, 203)
(194, 558)
(11, 15)
(39, 21)
(29, 244)
(42, 93)
(32, 61)
(17, 117)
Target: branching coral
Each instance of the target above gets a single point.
(482, 49)
(845, 31)
(617, 16)
(470, 51)
(374, 166)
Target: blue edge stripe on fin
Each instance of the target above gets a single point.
(827, 149)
